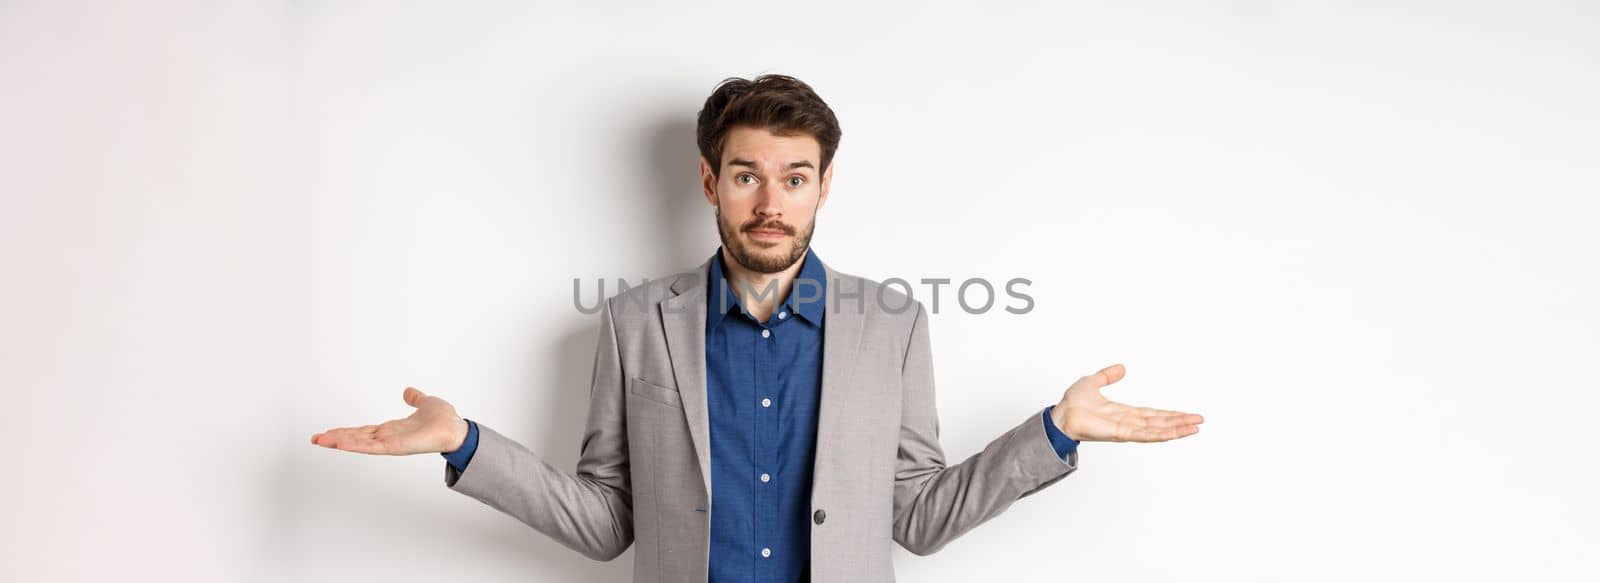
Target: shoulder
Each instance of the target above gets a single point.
(637, 300)
(888, 303)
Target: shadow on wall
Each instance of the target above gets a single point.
(678, 236)
(674, 241)
(684, 233)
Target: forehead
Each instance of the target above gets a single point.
(769, 150)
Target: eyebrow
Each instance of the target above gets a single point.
(792, 165)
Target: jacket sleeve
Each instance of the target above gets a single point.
(935, 503)
(590, 511)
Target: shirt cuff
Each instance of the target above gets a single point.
(461, 456)
(1063, 445)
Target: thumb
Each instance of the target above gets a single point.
(413, 396)
(1110, 374)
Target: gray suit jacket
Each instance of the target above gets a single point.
(880, 473)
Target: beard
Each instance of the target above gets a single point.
(758, 261)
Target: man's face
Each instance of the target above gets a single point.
(768, 192)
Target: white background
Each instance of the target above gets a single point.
(1360, 238)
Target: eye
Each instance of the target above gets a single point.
(741, 179)
(796, 181)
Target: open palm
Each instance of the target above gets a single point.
(1086, 415)
(433, 427)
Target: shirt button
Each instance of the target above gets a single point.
(819, 516)
(782, 315)
(766, 478)
(766, 333)
(766, 552)
(766, 402)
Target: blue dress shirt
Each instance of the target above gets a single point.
(763, 388)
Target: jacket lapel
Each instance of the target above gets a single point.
(683, 317)
(841, 335)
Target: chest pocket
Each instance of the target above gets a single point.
(654, 392)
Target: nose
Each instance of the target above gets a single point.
(769, 201)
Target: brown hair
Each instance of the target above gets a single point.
(781, 104)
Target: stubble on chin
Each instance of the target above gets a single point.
(763, 262)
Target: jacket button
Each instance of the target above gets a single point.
(819, 516)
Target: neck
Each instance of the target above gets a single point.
(753, 287)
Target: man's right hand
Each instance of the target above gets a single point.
(433, 428)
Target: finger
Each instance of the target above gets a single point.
(1178, 420)
(1153, 434)
(1190, 418)
(327, 437)
(413, 396)
(356, 439)
(346, 437)
(1163, 412)
(1149, 413)
(320, 438)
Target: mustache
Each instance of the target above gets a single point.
(774, 226)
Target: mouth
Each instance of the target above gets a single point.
(768, 234)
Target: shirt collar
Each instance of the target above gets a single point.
(806, 296)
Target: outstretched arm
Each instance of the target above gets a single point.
(934, 503)
(590, 511)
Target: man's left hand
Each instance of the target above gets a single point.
(1086, 415)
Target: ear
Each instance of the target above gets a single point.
(827, 183)
(708, 181)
